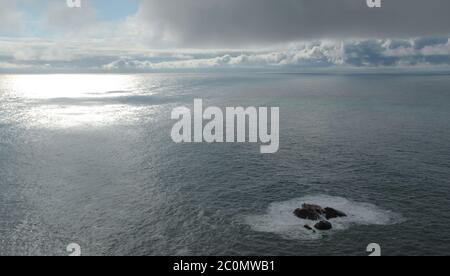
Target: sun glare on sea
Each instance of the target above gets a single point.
(61, 101)
(67, 86)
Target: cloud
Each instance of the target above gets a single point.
(311, 54)
(233, 23)
(216, 34)
(58, 17)
(338, 54)
(11, 19)
(413, 52)
(371, 53)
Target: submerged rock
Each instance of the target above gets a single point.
(323, 226)
(307, 227)
(331, 213)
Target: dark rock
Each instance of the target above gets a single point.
(307, 214)
(316, 208)
(323, 226)
(331, 213)
(310, 212)
(307, 227)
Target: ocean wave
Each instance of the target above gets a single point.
(279, 218)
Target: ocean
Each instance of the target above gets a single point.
(89, 159)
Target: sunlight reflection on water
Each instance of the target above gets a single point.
(63, 101)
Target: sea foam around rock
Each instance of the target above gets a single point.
(279, 217)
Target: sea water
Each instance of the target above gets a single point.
(88, 159)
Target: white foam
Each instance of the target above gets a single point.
(281, 220)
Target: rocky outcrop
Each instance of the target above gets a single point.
(331, 213)
(307, 214)
(323, 225)
(317, 213)
(315, 208)
(310, 212)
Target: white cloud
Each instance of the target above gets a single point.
(367, 53)
(311, 54)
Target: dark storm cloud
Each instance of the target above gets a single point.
(375, 53)
(423, 42)
(245, 22)
(367, 53)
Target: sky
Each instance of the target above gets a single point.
(185, 35)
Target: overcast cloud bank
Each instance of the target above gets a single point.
(189, 34)
(422, 52)
(232, 23)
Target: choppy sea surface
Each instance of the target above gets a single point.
(88, 159)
